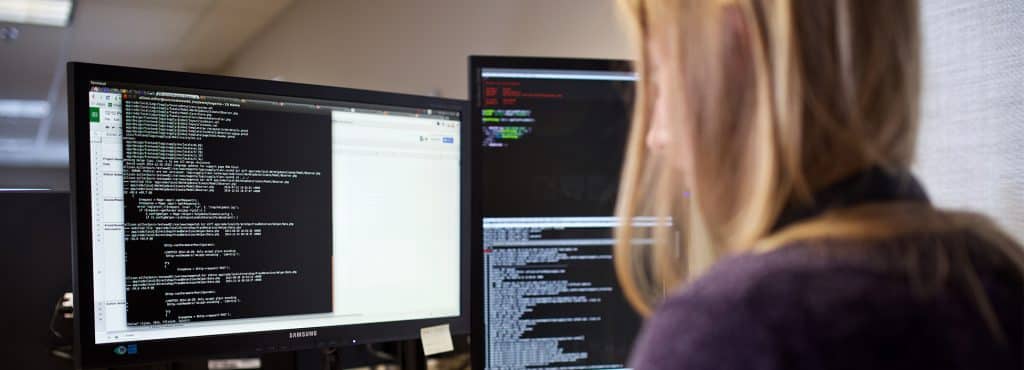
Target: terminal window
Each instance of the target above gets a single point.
(552, 150)
(217, 212)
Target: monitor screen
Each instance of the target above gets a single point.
(216, 211)
(551, 135)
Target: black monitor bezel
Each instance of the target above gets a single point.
(91, 355)
(476, 63)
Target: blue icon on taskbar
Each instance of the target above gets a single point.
(130, 349)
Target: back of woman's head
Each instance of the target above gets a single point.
(771, 100)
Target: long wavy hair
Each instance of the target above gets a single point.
(782, 97)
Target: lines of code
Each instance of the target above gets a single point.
(556, 144)
(551, 301)
(227, 209)
(552, 150)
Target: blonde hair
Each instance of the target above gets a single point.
(782, 98)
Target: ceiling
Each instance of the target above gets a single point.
(190, 35)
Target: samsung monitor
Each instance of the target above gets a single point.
(217, 216)
(549, 136)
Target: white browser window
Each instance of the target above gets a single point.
(396, 214)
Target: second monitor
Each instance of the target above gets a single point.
(550, 135)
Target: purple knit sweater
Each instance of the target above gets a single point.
(806, 307)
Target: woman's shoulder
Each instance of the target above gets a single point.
(738, 277)
(834, 270)
(811, 301)
(730, 317)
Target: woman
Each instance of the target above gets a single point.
(776, 135)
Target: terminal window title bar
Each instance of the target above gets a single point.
(557, 74)
(271, 101)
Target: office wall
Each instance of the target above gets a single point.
(971, 147)
(420, 47)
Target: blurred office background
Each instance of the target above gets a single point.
(972, 116)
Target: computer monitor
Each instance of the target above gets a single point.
(219, 216)
(549, 135)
